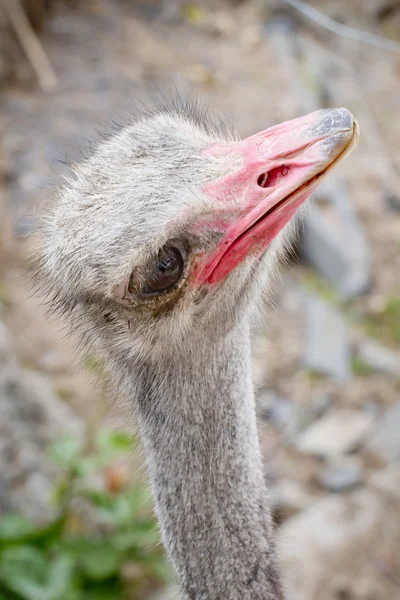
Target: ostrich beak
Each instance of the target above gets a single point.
(277, 171)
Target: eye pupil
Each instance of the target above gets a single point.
(163, 266)
(166, 273)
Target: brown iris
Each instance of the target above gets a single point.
(165, 272)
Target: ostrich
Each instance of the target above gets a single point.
(158, 248)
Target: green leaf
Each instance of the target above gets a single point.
(26, 589)
(100, 499)
(109, 443)
(90, 464)
(79, 546)
(136, 539)
(16, 530)
(14, 527)
(104, 590)
(139, 499)
(107, 505)
(66, 451)
(130, 506)
(6, 595)
(23, 569)
(159, 569)
(60, 578)
(27, 571)
(19, 561)
(101, 563)
(50, 532)
(122, 510)
(60, 491)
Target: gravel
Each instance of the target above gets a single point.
(338, 432)
(377, 357)
(31, 416)
(327, 343)
(385, 441)
(343, 474)
(325, 243)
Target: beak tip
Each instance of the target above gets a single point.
(333, 120)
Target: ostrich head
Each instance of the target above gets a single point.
(164, 233)
(157, 249)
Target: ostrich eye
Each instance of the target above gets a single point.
(165, 273)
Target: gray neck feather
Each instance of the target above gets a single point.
(197, 422)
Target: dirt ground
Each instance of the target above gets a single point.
(104, 53)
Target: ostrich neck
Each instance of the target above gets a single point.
(197, 422)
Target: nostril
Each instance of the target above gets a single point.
(263, 180)
(273, 176)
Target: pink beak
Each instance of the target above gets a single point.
(278, 170)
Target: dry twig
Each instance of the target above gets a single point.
(344, 30)
(31, 44)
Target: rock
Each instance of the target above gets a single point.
(274, 408)
(5, 494)
(336, 433)
(223, 23)
(372, 407)
(287, 498)
(6, 347)
(320, 403)
(378, 358)
(171, 593)
(342, 474)
(327, 346)
(31, 416)
(5, 70)
(328, 532)
(392, 201)
(387, 481)
(334, 243)
(385, 442)
(285, 415)
(52, 361)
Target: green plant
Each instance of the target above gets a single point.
(116, 557)
(385, 325)
(315, 284)
(360, 368)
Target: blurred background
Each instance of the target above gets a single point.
(75, 516)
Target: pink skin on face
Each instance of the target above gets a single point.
(279, 169)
